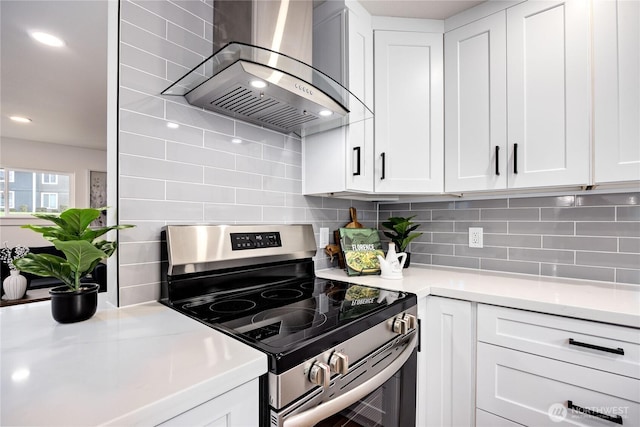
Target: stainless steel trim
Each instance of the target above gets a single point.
(313, 416)
(197, 248)
(288, 386)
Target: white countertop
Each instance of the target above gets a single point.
(599, 301)
(135, 365)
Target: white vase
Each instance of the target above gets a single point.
(14, 285)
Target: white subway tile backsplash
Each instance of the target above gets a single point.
(142, 188)
(157, 210)
(140, 145)
(201, 9)
(222, 142)
(141, 103)
(189, 192)
(282, 156)
(593, 237)
(198, 118)
(155, 127)
(133, 78)
(226, 213)
(141, 167)
(282, 184)
(259, 197)
(144, 19)
(185, 37)
(143, 61)
(197, 156)
(262, 167)
(172, 12)
(231, 178)
(158, 46)
(258, 134)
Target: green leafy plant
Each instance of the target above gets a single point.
(73, 236)
(401, 231)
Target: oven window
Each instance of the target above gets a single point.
(379, 409)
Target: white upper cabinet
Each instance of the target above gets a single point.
(475, 105)
(548, 93)
(616, 60)
(538, 52)
(341, 160)
(408, 109)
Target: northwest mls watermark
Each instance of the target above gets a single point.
(559, 412)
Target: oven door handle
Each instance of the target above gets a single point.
(314, 415)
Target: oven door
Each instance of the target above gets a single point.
(387, 399)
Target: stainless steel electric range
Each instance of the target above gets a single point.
(339, 353)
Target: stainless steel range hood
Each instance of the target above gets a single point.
(260, 72)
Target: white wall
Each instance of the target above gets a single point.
(24, 154)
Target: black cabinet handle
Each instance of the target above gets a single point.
(383, 165)
(515, 158)
(357, 151)
(617, 419)
(497, 160)
(596, 347)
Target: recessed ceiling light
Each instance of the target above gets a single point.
(172, 125)
(258, 84)
(47, 39)
(20, 119)
(325, 113)
(236, 140)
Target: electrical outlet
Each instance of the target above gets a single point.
(324, 237)
(475, 237)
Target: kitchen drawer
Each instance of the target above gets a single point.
(487, 419)
(534, 390)
(550, 336)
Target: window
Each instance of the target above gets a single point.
(49, 178)
(49, 201)
(12, 199)
(34, 191)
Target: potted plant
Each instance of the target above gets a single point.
(401, 233)
(74, 301)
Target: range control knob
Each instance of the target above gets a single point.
(400, 326)
(411, 320)
(319, 374)
(339, 363)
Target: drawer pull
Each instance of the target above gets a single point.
(596, 347)
(617, 419)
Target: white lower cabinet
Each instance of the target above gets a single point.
(539, 369)
(492, 366)
(534, 390)
(449, 346)
(236, 408)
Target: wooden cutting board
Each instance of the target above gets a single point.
(354, 219)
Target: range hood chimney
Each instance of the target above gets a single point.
(260, 72)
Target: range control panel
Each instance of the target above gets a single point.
(241, 241)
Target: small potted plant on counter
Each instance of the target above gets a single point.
(72, 235)
(401, 233)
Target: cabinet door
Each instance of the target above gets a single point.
(475, 105)
(616, 58)
(342, 159)
(236, 408)
(548, 93)
(408, 112)
(449, 340)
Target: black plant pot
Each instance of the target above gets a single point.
(74, 306)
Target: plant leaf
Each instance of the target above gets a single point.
(80, 255)
(77, 220)
(46, 265)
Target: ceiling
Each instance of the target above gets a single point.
(426, 9)
(63, 90)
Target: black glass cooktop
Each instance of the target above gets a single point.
(295, 320)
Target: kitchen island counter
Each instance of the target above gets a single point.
(599, 301)
(137, 365)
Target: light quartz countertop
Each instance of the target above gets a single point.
(137, 365)
(598, 301)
